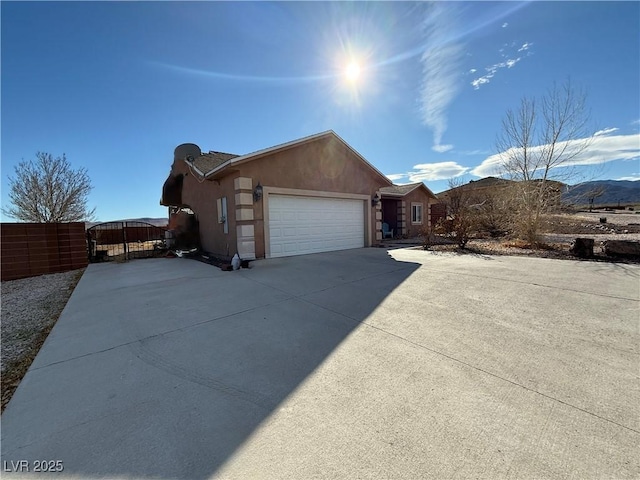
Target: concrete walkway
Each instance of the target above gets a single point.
(354, 364)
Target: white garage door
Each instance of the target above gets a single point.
(299, 225)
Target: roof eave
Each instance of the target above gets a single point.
(192, 165)
(260, 153)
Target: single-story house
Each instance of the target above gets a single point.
(406, 208)
(315, 194)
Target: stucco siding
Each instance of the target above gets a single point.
(202, 196)
(417, 196)
(325, 165)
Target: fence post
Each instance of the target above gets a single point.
(124, 240)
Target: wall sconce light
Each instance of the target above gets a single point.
(376, 199)
(257, 192)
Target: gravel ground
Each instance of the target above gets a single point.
(618, 217)
(30, 308)
(569, 237)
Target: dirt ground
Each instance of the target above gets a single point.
(557, 234)
(30, 309)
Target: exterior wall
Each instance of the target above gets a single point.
(402, 217)
(323, 165)
(30, 249)
(202, 198)
(243, 214)
(417, 196)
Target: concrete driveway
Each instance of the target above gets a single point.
(355, 364)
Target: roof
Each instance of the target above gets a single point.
(213, 162)
(209, 161)
(402, 190)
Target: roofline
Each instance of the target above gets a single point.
(191, 165)
(283, 146)
(417, 185)
(265, 151)
(429, 191)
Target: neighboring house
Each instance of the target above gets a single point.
(478, 189)
(315, 194)
(490, 188)
(407, 208)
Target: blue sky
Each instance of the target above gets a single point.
(117, 86)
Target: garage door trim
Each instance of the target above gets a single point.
(312, 193)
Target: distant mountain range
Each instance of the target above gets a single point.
(606, 192)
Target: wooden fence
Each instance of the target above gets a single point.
(30, 249)
(437, 212)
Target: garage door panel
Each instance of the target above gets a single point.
(299, 225)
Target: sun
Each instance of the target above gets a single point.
(352, 72)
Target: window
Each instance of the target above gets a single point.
(416, 213)
(222, 214)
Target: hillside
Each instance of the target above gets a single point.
(613, 192)
(624, 192)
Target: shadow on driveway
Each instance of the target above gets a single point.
(163, 368)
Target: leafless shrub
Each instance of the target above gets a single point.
(463, 214)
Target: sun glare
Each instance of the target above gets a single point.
(352, 72)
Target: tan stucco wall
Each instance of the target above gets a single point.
(201, 198)
(324, 165)
(417, 196)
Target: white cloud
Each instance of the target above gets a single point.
(601, 150)
(472, 152)
(440, 66)
(396, 176)
(473, 70)
(492, 70)
(632, 178)
(505, 25)
(441, 148)
(606, 131)
(490, 166)
(436, 171)
(511, 60)
(480, 81)
(636, 122)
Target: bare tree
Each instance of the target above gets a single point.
(462, 215)
(537, 145)
(49, 190)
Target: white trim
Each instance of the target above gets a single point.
(421, 205)
(223, 215)
(191, 165)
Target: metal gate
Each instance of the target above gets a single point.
(124, 241)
